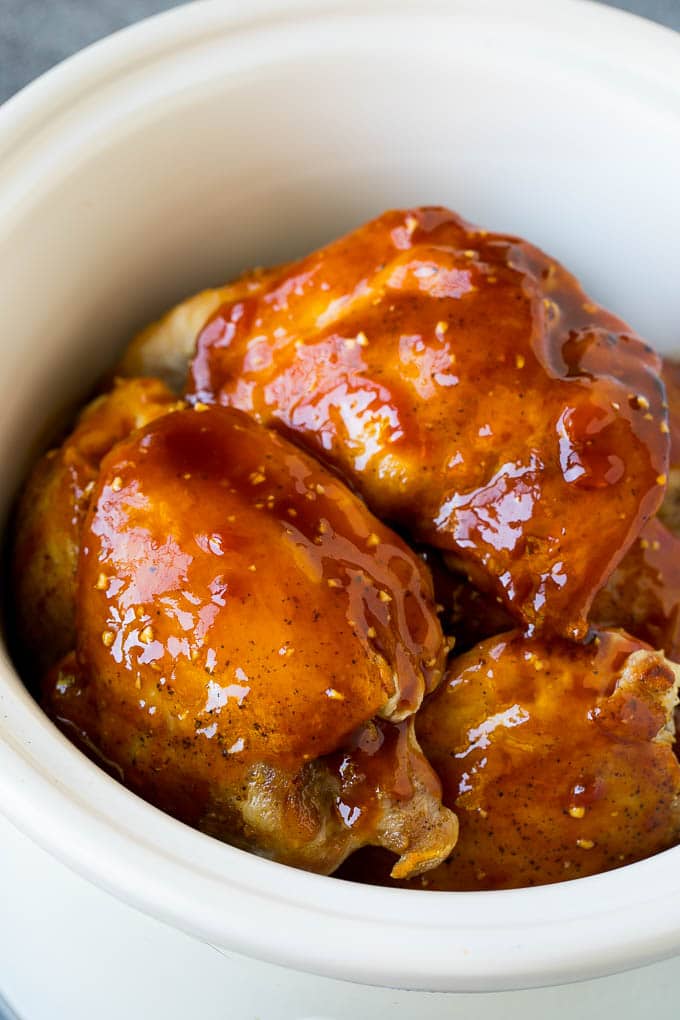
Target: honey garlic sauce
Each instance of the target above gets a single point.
(556, 758)
(468, 388)
(235, 595)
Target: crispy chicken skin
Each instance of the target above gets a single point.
(51, 511)
(467, 387)
(252, 645)
(556, 757)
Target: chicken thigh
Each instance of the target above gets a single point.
(252, 647)
(466, 386)
(557, 758)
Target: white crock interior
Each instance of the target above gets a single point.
(190, 147)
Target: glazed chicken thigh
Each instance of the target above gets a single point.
(252, 646)
(467, 387)
(557, 759)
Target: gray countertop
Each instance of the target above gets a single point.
(36, 34)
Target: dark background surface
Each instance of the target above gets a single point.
(36, 34)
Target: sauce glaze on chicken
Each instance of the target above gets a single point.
(246, 628)
(469, 389)
(223, 616)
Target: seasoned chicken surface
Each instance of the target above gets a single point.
(556, 757)
(252, 645)
(466, 386)
(51, 511)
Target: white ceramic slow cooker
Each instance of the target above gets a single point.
(212, 138)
